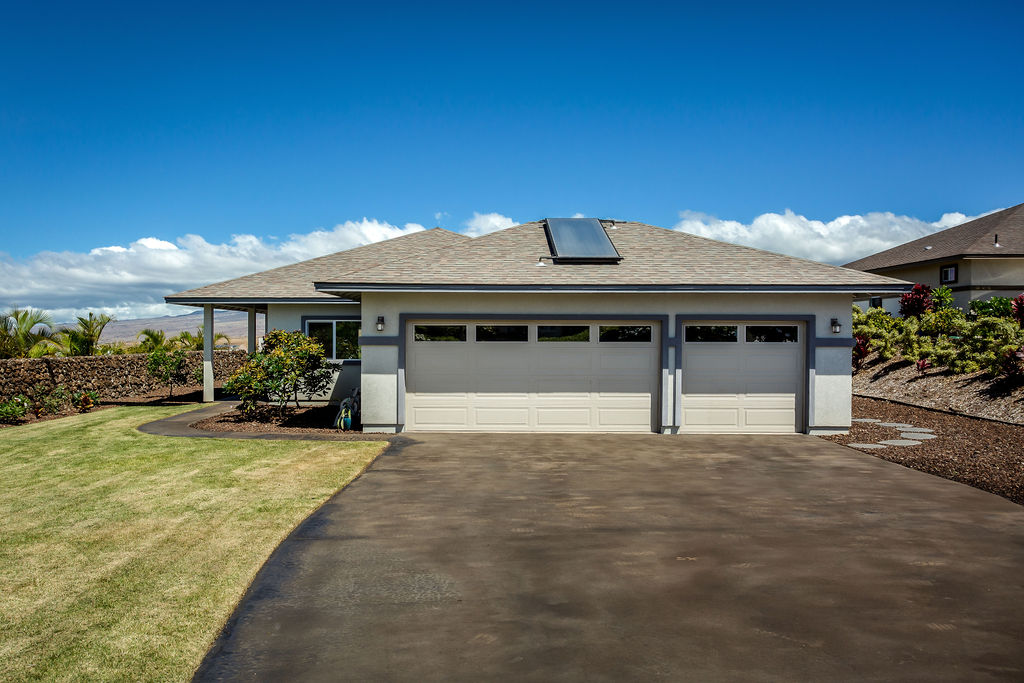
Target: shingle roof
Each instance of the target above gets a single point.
(295, 281)
(974, 238)
(652, 256)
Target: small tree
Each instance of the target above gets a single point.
(167, 368)
(289, 364)
(942, 298)
(916, 301)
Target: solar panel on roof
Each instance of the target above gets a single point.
(580, 240)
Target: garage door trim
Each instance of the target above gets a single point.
(810, 342)
(403, 322)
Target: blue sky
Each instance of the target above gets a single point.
(143, 121)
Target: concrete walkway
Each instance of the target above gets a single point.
(608, 558)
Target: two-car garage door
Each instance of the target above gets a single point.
(543, 376)
(531, 376)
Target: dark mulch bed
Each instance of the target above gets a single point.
(310, 420)
(981, 453)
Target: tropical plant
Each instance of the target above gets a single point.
(26, 332)
(194, 342)
(45, 400)
(289, 364)
(167, 368)
(150, 340)
(1018, 310)
(916, 301)
(942, 298)
(85, 400)
(84, 338)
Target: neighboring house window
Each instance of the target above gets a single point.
(340, 338)
(875, 302)
(947, 274)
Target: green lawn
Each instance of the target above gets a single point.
(122, 554)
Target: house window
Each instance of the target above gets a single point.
(947, 274)
(875, 302)
(439, 333)
(711, 333)
(502, 333)
(563, 333)
(340, 338)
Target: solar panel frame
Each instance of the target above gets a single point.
(579, 240)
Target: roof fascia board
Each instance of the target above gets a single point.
(937, 260)
(615, 289)
(254, 301)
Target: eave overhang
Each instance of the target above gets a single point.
(352, 289)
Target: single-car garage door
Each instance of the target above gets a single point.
(531, 376)
(742, 377)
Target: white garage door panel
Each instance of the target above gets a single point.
(741, 386)
(531, 386)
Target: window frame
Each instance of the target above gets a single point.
(795, 340)
(735, 326)
(943, 280)
(585, 326)
(477, 339)
(464, 340)
(333, 322)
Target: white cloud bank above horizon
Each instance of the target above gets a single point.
(838, 241)
(131, 281)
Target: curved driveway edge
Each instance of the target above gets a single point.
(613, 557)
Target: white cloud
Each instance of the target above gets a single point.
(838, 241)
(131, 281)
(578, 215)
(483, 223)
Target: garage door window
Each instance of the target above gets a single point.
(563, 333)
(772, 334)
(502, 333)
(711, 333)
(439, 333)
(625, 333)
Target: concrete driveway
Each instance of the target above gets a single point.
(601, 557)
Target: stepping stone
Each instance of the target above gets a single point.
(917, 429)
(865, 445)
(865, 419)
(900, 442)
(901, 425)
(917, 435)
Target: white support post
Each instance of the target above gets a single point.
(251, 346)
(208, 333)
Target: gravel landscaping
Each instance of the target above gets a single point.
(983, 453)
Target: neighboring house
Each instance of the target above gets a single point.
(573, 325)
(977, 260)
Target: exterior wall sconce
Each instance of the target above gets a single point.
(380, 323)
(836, 327)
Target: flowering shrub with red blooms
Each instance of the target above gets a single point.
(1018, 310)
(916, 301)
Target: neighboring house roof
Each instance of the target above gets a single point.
(295, 282)
(974, 238)
(653, 258)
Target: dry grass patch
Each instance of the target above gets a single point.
(122, 553)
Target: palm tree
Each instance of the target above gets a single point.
(150, 340)
(83, 339)
(26, 332)
(194, 342)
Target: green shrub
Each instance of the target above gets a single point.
(290, 363)
(996, 307)
(167, 368)
(14, 409)
(948, 321)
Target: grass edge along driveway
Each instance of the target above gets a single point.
(122, 554)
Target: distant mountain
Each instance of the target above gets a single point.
(232, 323)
